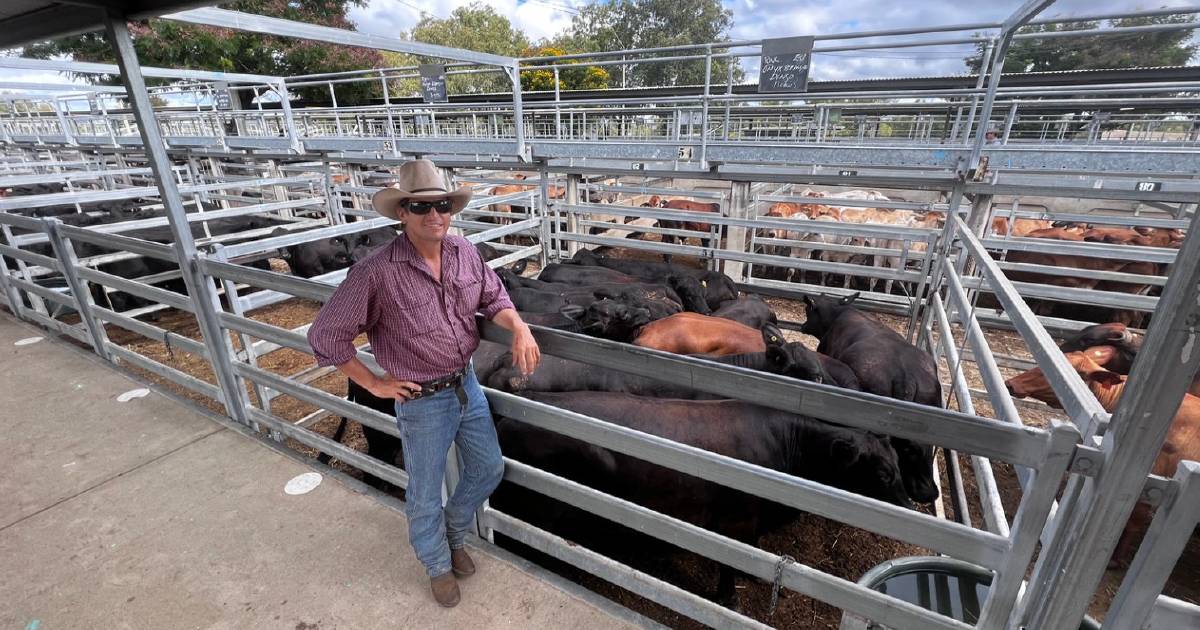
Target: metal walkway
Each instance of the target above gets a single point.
(146, 514)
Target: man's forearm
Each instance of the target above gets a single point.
(510, 320)
(358, 372)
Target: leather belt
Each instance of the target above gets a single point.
(452, 380)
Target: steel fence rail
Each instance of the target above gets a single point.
(1074, 395)
(879, 517)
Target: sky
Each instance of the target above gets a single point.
(754, 19)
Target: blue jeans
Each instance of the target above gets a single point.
(427, 427)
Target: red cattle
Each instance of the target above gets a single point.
(1182, 442)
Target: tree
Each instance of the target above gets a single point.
(1084, 52)
(178, 45)
(581, 78)
(623, 24)
(477, 27)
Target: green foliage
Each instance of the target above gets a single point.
(622, 24)
(581, 78)
(476, 27)
(1084, 52)
(177, 45)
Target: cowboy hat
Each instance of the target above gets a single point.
(418, 180)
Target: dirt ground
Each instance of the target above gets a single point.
(838, 549)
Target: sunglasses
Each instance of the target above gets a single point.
(422, 208)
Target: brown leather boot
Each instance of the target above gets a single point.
(445, 589)
(460, 563)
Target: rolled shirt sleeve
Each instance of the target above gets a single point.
(494, 297)
(350, 311)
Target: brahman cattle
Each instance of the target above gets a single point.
(1182, 441)
(885, 364)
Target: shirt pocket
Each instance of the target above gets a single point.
(468, 292)
(414, 312)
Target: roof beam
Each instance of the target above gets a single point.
(288, 28)
(87, 67)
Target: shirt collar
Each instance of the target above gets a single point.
(403, 250)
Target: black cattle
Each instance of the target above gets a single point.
(386, 447)
(849, 459)
(318, 257)
(556, 374)
(362, 244)
(584, 275)
(691, 293)
(557, 321)
(885, 364)
(748, 309)
(658, 300)
(513, 281)
(716, 286)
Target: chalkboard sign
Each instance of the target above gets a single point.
(784, 64)
(433, 82)
(1148, 186)
(223, 101)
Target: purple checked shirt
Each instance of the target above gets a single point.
(419, 329)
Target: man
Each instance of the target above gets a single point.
(416, 299)
(991, 136)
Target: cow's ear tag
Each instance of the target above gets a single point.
(704, 283)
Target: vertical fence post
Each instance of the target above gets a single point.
(550, 243)
(737, 237)
(557, 110)
(935, 277)
(514, 73)
(572, 216)
(36, 302)
(15, 303)
(235, 304)
(79, 287)
(728, 101)
(704, 107)
(198, 286)
(289, 120)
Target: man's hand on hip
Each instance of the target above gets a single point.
(388, 386)
(525, 352)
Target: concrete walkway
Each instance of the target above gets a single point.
(145, 514)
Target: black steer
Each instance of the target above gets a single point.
(845, 458)
(748, 309)
(717, 287)
(885, 364)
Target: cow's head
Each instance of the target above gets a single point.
(690, 292)
(821, 311)
(718, 289)
(1113, 334)
(340, 251)
(916, 469)
(610, 319)
(1087, 363)
(866, 464)
(794, 360)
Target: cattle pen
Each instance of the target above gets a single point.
(212, 197)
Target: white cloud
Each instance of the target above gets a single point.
(538, 19)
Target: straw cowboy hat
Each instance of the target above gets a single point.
(418, 180)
